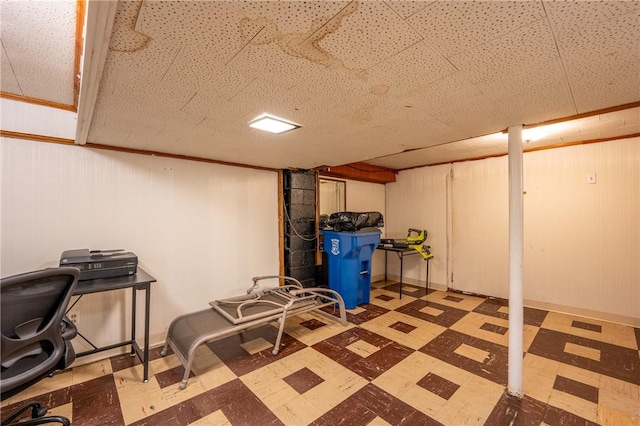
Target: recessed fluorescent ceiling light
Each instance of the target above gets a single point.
(272, 124)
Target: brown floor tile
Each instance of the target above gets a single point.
(403, 327)
(313, 324)
(528, 411)
(48, 400)
(171, 377)
(371, 402)
(408, 290)
(576, 388)
(303, 380)
(370, 312)
(96, 402)
(384, 297)
(123, 361)
(494, 328)
(586, 326)
(491, 307)
(230, 351)
(447, 318)
(389, 353)
(438, 385)
(493, 367)
(615, 361)
(180, 414)
(455, 370)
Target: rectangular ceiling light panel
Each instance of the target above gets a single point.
(272, 124)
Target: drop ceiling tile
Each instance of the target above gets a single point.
(453, 151)
(452, 89)
(615, 35)
(272, 64)
(7, 77)
(407, 8)
(528, 47)
(460, 26)
(475, 116)
(526, 82)
(293, 17)
(42, 60)
(330, 93)
(526, 98)
(364, 34)
(224, 28)
(603, 63)
(411, 68)
(566, 17)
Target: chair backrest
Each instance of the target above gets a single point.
(33, 305)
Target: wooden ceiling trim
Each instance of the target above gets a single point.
(525, 150)
(360, 171)
(584, 115)
(36, 101)
(176, 156)
(34, 137)
(81, 8)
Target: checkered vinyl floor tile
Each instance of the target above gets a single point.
(437, 358)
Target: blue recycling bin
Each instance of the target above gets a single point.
(349, 257)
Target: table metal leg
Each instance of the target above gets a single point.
(133, 320)
(147, 291)
(385, 266)
(426, 283)
(401, 264)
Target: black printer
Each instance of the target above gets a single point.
(100, 263)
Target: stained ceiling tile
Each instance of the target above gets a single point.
(364, 34)
(401, 82)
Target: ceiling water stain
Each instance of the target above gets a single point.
(364, 114)
(124, 37)
(380, 89)
(262, 31)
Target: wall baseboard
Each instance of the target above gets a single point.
(570, 310)
(409, 281)
(586, 313)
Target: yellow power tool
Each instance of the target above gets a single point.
(414, 240)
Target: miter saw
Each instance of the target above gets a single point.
(414, 240)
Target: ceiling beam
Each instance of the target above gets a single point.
(360, 171)
(98, 26)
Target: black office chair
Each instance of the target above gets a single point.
(35, 335)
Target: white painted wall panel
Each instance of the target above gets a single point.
(203, 230)
(35, 119)
(480, 227)
(365, 197)
(581, 241)
(418, 199)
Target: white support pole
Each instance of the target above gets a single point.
(516, 310)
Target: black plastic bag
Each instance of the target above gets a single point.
(354, 221)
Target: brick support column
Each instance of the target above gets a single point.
(300, 225)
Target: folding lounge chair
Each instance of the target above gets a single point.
(235, 314)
